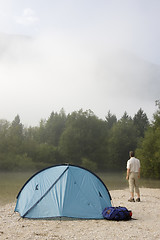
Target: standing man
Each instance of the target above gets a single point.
(133, 175)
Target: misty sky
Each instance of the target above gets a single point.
(91, 54)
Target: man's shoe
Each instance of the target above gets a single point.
(131, 200)
(138, 200)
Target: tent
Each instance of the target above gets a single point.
(63, 191)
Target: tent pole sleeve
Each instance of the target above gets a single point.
(45, 192)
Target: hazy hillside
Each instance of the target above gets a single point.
(45, 74)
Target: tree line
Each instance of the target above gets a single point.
(81, 138)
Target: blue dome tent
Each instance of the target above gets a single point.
(63, 191)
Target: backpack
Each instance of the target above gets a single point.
(117, 213)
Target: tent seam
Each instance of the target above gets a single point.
(45, 193)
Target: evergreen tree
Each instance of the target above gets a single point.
(111, 119)
(55, 126)
(141, 122)
(122, 139)
(149, 149)
(82, 138)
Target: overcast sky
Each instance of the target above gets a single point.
(91, 54)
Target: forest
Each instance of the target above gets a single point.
(82, 139)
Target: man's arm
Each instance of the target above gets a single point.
(128, 171)
(139, 173)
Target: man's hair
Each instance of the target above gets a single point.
(131, 154)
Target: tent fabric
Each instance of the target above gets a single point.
(63, 191)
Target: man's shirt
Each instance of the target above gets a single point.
(133, 164)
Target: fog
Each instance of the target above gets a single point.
(72, 56)
(41, 75)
